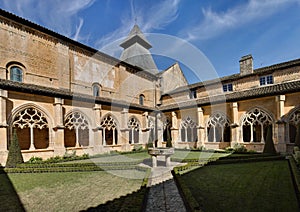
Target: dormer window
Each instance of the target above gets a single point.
(141, 99)
(193, 94)
(266, 80)
(96, 89)
(16, 74)
(227, 87)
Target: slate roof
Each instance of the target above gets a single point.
(136, 51)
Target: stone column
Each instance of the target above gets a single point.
(279, 127)
(59, 145)
(3, 122)
(200, 128)
(144, 121)
(124, 130)
(174, 129)
(235, 129)
(97, 130)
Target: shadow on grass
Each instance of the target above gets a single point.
(9, 199)
(135, 201)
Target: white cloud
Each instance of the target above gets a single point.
(215, 23)
(155, 16)
(60, 16)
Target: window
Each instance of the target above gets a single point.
(96, 90)
(193, 94)
(16, 74)
(227, 87)
(141, 99)
(266, 80)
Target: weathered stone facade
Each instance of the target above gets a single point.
(62, 96)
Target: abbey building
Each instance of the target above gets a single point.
(59, 95)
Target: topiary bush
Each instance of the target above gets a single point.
(297, 139)
(14, 152)
(269, 144)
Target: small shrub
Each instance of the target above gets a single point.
(35, 160)
(85, 156)
(239, 148)
(69, 155)
(149, 145)
(137, 147)
(55, 159)
(296, 148)
(297, 156)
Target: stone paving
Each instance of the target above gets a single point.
(163, 192)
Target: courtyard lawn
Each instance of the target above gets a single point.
(260, 186)
(196, 155)
(116, 158)
(73, 191)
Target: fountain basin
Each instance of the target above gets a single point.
(167, 152)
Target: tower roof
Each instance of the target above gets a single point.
(136, 51)
(136, 36)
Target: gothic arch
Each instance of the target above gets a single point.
(292, 120)
(254, 125)
(134, 129)
(77, 129)
(188, 130)
(32, 125)
(109, 127)
(218, 128)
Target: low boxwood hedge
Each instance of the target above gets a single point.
(70, 168)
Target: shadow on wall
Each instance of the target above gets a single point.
(9, 199)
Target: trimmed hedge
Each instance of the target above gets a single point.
(190, 202)
(43, 165)
(295, 175)
(69, 168)
(247, 160)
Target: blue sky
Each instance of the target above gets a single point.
(223, 30)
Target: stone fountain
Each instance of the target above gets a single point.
(167, 152)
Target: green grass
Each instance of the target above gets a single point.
(197, 155)
(261, 186)
(73, 191)
(139, 156)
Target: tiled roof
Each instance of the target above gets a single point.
(270, 90)
(225, 79)
(66, 94)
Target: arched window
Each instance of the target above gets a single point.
(16, 74)
(32, 129)
(110, 131)
(134, 129)
(294, 121)
(141, 99)
(96, 89)
(254, 125)
(188, 130)
(218, 129)
(76, 130)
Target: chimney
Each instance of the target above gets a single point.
(246, 65)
